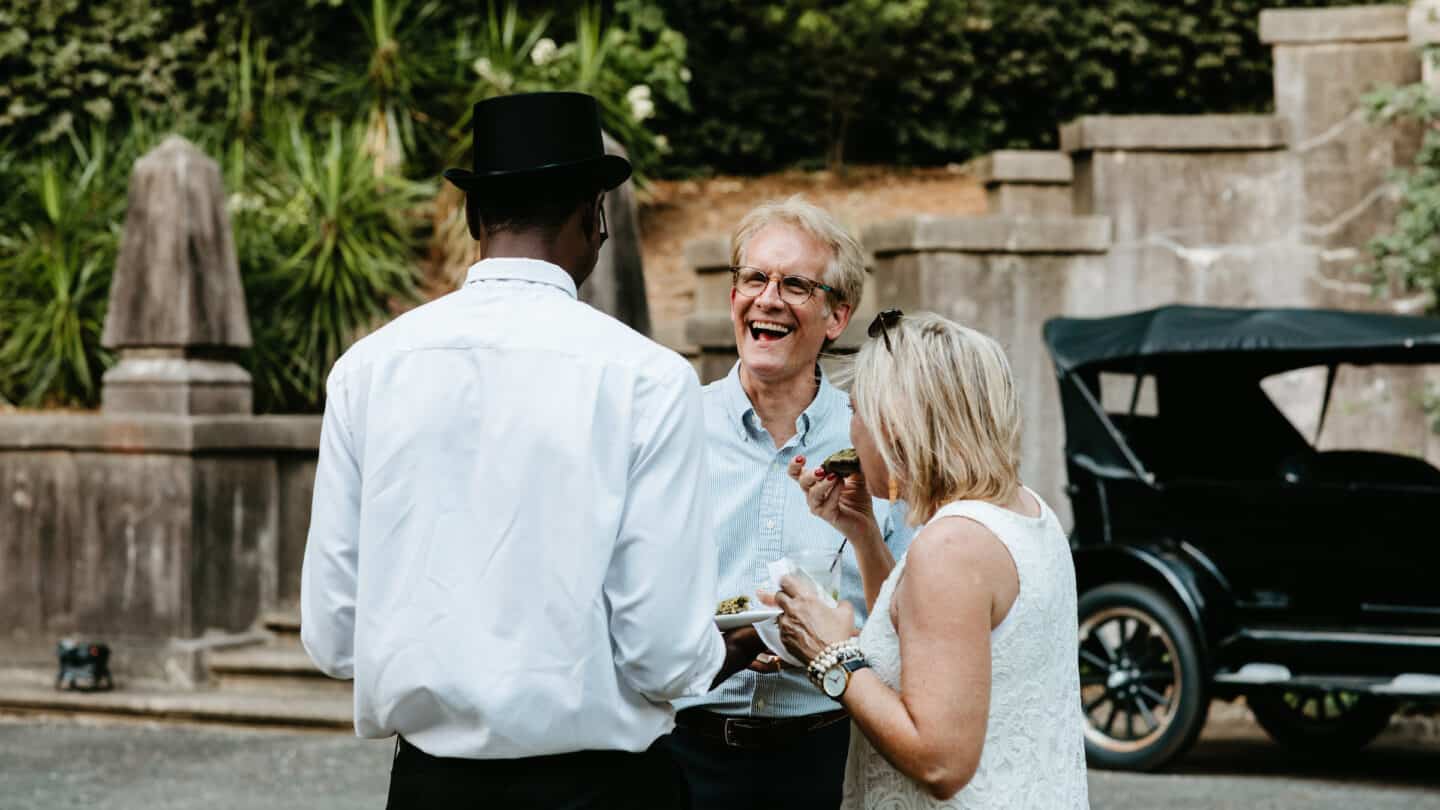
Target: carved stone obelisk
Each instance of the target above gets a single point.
(177, 310)
(617, 287)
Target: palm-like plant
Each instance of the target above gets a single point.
(348, 240)
(56, 260)
(399, 69)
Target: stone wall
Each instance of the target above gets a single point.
(148, 532)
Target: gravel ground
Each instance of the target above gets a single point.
(48, 763)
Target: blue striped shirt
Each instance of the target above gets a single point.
(759, 514)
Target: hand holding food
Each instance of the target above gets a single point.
(839, 498)
(842, 463)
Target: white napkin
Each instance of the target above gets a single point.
(769, 630)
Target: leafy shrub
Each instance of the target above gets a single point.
(932, 81)
(59, 235)
(1408, 255)
(326, 248)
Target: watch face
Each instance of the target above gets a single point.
(834, 681)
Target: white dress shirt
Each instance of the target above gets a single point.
(507, 548)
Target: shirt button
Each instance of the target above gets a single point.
(769, 524)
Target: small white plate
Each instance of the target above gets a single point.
(733, 620)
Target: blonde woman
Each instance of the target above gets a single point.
(963, 684)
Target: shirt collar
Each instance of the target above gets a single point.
(742, 412)
(509, 268)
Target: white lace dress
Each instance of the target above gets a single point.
(1034, 753)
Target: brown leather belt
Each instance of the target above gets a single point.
(754, 732)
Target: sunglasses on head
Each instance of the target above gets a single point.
(884, 321)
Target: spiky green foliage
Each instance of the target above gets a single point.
(326, 250)
(58, 241)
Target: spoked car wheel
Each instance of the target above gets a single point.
(1320, 721)
(1142, 687)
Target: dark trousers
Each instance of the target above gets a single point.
(584, 780)
(805, 773)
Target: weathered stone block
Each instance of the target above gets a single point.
(1202, 133)
(995, 234)
(177, 280)
(1345, 160)
(94, 543)
(296, 489)
(1031, 166)
(1360, 23)
(1029, 200)
(234, 541)
(1194, 198)
(617, 286)
(174, 384)
(710, 254)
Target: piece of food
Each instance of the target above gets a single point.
(735, 604)
(842, 463)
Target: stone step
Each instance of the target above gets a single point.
(279, 668)
(208, 706)
(282, 622)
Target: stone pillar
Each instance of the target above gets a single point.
(1423, 28)
(617, 287)
(1004, 276)
(1206, 208)
(709, 327)
(177, 309)
(1025, 182)
(1325, 61)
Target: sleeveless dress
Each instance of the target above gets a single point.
(1034, 752)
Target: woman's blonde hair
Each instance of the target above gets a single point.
(941, 406)
(846, 269)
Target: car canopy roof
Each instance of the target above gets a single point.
(1268, 339)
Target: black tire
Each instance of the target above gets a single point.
(1138, 659)
(1320, 721)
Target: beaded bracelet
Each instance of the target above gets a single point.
(830, 656)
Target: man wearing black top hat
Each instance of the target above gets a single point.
(502, 547)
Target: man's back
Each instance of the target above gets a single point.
(523, 472)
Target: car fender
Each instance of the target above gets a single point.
(1167, 569)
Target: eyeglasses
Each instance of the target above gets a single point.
(604, 228)
(752, 282)
(880, 327)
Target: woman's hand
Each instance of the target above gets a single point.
(842, 502)
(808, 625)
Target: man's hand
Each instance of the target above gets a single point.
(742, 648)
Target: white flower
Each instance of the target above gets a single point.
(641, 106)
(662, 144)
(487, 71)
(685, 75)
(543, 51)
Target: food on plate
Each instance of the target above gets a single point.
(842, 463)
(735, 604)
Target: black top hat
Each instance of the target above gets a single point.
(535, 135)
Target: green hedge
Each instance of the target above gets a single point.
(943, 80)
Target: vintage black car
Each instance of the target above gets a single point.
(1219, 553)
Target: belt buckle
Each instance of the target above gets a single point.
(725, 732)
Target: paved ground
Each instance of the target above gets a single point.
(52, 763)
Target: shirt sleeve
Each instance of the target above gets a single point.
(663, 571)
(328, 575)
